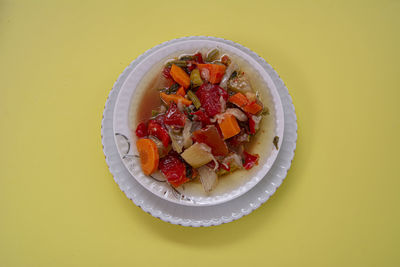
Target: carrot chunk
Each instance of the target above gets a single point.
(180, 76)
(175, 98)
(148, 154)
(216, 71)
(239, 99)
(229, 126)
(252, 108)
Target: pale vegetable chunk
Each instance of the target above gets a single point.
(197, 155)
(208, 178)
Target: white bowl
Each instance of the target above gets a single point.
(143, 70)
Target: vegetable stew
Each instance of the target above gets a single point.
(208, 114)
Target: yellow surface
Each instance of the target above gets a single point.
(339, 205)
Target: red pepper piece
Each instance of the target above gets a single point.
(173, 169)
(174, 117)
(165, 73)
(252, 125)
(202, 117)
(141, 130)
(155, 129)
(209, 96)
(250, 160)
(198, 58)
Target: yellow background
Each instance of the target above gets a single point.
(339, 205)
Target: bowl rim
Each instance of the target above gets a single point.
(270, 159)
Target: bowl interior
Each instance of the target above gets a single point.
(140, 87)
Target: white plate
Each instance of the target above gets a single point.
(201, 216)
(134, 83)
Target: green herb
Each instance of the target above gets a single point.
(189, 113)
(154, 113)
(186, 58)
(233, 75)
(179, 63)
(275, 142)
(173, 88)
(265, 111)
(212, 55)
(195, 100)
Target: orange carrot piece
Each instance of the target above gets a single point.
(180, 76)
(239, 99)
(175, 98)
(181, 91)
(216, 71)
(229, 126)
(252, 108)
(148, 154)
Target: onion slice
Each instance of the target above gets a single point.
(208, 178)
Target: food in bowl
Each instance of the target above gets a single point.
(207, 117)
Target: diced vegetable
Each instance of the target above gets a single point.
(187, 135)
(175, 98)
(198, 58)
(209, 96)
(216, 72)
(174, 117)
(148, 154)
(181, 91)
(180, 76)
(162, 151)
(195, 78)
(173, 169)
(228, 74)
(155, 129)
(202, 117)
(212, 55)
(251, 96)
(234, 160)
(141, 130)
(211, 137)
(176, 140)
(239, 83)
(252, 108)
(254, 123)
(237, 113)
(250, 160)
(239, 99)
(225, 60)
(229, 126)
(195, 100)
(208, 178)
(197, 155)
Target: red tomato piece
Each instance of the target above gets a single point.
(250, 160)
(209, 96)
(173, 169)
(211, 137)
(198, 58)
(155, 129)
(141, 130)
(202, 117)
(174, 116)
